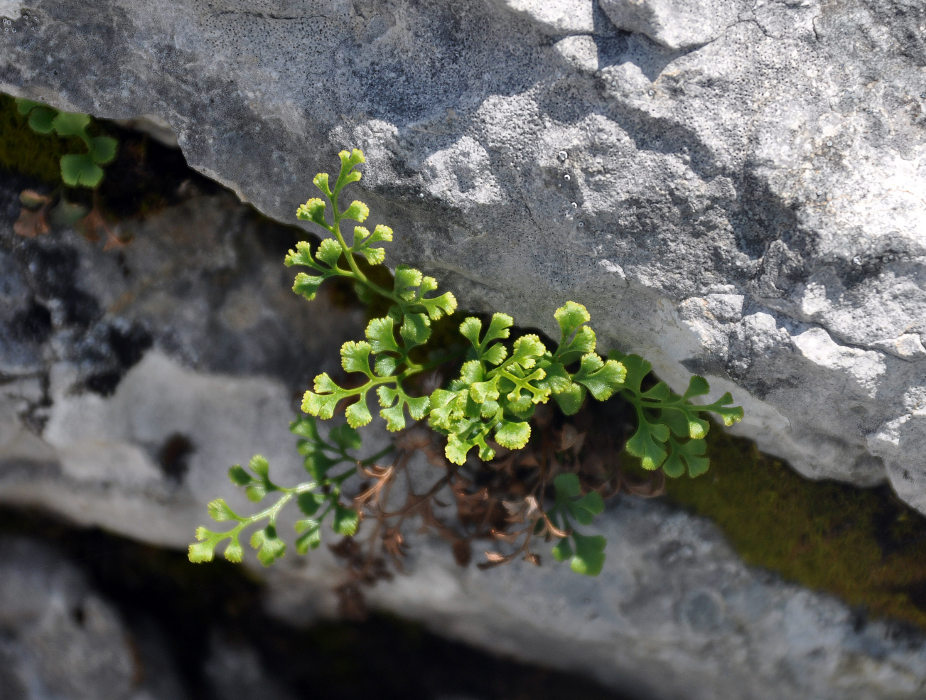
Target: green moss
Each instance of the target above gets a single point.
(863, 545)
(28, 153)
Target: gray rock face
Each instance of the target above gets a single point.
(60, 638)
(676, 24)
(96, 432)
(732, 188)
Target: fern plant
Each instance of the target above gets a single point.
(77, 169)
(489, 405)
(81, 169)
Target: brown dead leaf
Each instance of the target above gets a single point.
(33, 200)
(31, 223)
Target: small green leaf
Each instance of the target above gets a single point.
(660, 392)
(309, 502)
(358, 211)
(79, 170)
(415, 329)
(322, 402)
(317, 464)
(269, 546)
(259, 466)
(480, 392)
(456, 450)
(563, 550)
(385, 365)
(729, 414)
(355, 357)
(346, 521)
(439, 306)
(346, 437)
(234, 551)
(676, 419)
(310, 538)
(313, 210)
(570, 316)
(394, 417)
(381, 334)
(697, 386)
(527, 349)
(24, 106)
(255, 491)
(358, 413)
(499, 328)
(70, 123)
(351, 159)
(220, 512)
(582, 344)
(512, 435)
(329, 252)
(418, 406)
(380, 233)
(406, 277)
(589, 556)
(601, 379)
(200, 552)
(301, 256)
(374, 256)
(239, 476)
(673, 467)
(586, 508)
(697, 428)
(645, 444)
(470, 329)
(570, 401)
(306, 428)
(41, 119)
(351, 177)
(103, 149)
(637, 368)
(321, 182)
(496, 354)
(687, 454)
(307, 285)
(567, 486)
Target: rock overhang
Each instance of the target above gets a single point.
(749, 202)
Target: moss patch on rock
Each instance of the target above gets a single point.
(862, 545)
(28, 153)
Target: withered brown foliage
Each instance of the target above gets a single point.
(495, 506)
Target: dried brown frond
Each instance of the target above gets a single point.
(500, 502)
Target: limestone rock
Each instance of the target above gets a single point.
(60, 637)
(676, 24)
(189, 353)
(732, 188)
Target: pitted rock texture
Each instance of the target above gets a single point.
(732, 188)
(226, 351)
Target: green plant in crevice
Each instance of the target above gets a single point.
(77, 169)
(482, 417)
(81, 169)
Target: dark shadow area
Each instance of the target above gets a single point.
(382, 657)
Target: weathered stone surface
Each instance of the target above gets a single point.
(60, 638)
(226, 348)
(677, 24)
(750, 207)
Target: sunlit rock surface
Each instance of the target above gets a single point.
(733, 188)
(133, 378)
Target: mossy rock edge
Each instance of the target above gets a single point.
(863, 545)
